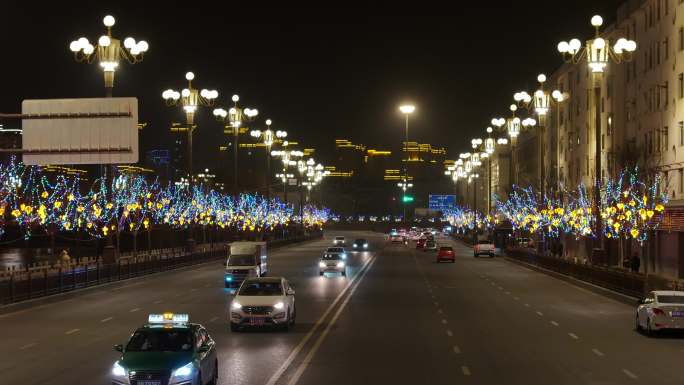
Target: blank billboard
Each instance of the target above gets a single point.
(80, 131)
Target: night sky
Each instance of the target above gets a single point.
(320, 73)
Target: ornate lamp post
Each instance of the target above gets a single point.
(268, 137)
(287, 157)
(190, 99)
(235, 116)
(598, 53)
(513, 126)
(108, 52)
(540, 104)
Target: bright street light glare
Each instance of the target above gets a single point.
(407, 109)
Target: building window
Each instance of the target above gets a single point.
(666, 137)
(666, 48)
(681, 133)
(681, 38)
(681, 86)
(603, 142)
(666, 90)
(681, 181)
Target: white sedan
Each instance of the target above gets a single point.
(263, 301)
(660, 310)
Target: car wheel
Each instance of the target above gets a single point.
(637, 327)
(453, 261)
(286, 326)
(294, 315)
(234, 328)
(320, 273)
(649, 331)
(199, 378)
(344, 273)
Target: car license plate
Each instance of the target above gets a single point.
(148, 382)
(256, 321)
(678, 313)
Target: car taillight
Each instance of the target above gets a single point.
(657, 311)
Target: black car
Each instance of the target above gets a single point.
(360, 244)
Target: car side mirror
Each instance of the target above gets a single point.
(118, 348)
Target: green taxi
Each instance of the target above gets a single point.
(168, 350)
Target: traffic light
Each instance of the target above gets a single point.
(407, 199)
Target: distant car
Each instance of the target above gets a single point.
(340, 252)
(484, 247)
(396, 238)
(446, 253)
(335, 262)
(660, 310)
(167, 350)
(263, 302)
(420, 243)
(360, 244)
(430, 246)
(340, 241)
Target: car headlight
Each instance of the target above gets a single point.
(340, 264)
(118, 370)
(321, 264)
(184, 372)
(343, 255)
(279, 306)
(236, 305)
(355, 245)
(365, 245)
(229, 278)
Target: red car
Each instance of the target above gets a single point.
(446, 253)
(421, 243)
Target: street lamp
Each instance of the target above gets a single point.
(513, 126)
(406, 109)
(287, 157)
(190, 99)
(108, 51)
(268, 137)
(599, 53)
(540, 104)
(235, 116)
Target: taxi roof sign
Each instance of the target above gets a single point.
(167, 318)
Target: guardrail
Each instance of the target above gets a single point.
(44, 280)
(624, 282)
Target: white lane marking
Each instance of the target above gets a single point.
(500, 288)
(157, 302)
(28, 346)
(106, 319)
(444, 321)
(72, 331)
(440, 311)
(540, 313)
(293, 354)
(206, 285)
(516, 298)
(597, 352)
(629, 374)
(554, 323)
(465, 370)
(573, 335)
(213, 319)
(134, 310)
(436, 303)
(527, 305)
(450, 333)
(508, 293)
(457, 350)
(193, 289)
(309, 356)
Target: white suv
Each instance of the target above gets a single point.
(484, 247)
(263, 301)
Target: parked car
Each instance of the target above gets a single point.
(484, 247)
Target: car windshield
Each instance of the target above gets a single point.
(261, 288)
(483, 242)
(446, 249)
(329, 257)
(360, 241)
(671, 298)
(339, 238)
(160, 340)
(241, 260)
(335, 250)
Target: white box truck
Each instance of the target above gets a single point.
(245, 259)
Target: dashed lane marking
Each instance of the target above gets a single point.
(597, 352)
(465, 370)
(457, 350)
(554, 323)
(213, 319)
(516, 298)
(28, 346)
(508, 293)
(72, 331)
(106, 319)
(629, 374)
(540, 313)
(440, 311)
(573, 335)
(157, 302)
(444, 321)
(527, 305)
(134, 310)
(450, 333)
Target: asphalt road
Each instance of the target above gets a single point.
(397, 318)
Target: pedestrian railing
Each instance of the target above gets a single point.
(42, 280)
